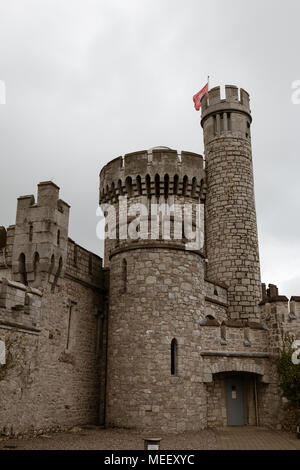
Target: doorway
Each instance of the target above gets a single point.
(235, 401)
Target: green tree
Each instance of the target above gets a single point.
(289, 373)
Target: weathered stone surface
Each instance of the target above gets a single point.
(91, 344)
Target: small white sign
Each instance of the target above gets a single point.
(2, 353)
(153, 447)
(233, 394)
(2, 92)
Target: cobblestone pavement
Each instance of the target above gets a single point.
(253, 438)
(96, 438)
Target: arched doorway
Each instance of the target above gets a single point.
(232, 399)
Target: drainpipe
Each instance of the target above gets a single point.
(255, 399)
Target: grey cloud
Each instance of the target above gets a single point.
(90, 80)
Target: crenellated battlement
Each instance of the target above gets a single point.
(156, 172)
(271, 294)
(20, 305)
(229, 117)
(235, 100)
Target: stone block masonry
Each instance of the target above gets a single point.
(231, 228)
(153, 339)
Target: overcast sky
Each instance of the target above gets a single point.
(87, 81)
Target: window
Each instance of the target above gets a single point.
(120, 188)
(128, 185)
(176, 181)
(229, 121)
(58, 237)
(166, 188)
(139, 185)
(22, 269)
(30, 232)
(124, 276)
(194, 187)
(174, 357)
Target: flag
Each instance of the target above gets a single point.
(198, 96)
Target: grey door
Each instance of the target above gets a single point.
(235, 400)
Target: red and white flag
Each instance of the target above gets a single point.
(198, 96)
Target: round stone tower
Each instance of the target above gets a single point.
(156, 292)
(231, 228)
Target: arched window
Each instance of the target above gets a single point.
(185, 185)
(166, 188)
(128, 185)
(139, 185)
(174, 357)
(148, 186)
(194, 187)
(90, 263)
(176, 180)
(124, 275)
(58, 237)
(22, 269)
(157, 185)
(58, 273)
(30, 232)
(120, 188)
(52, 264)
(210, 317)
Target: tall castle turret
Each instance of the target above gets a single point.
(156, 295)
(231, 228)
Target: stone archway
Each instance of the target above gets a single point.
(217, 372)
(242, 365)
(232, 399)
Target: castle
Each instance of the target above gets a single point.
(158, 337)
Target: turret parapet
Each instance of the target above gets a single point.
(235, 100)
(230, 116)
(149, 173)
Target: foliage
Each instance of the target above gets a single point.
(289, 373)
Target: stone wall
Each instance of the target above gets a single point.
(231, 228)
(55, 336)
(163, 300)
(59, 383)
